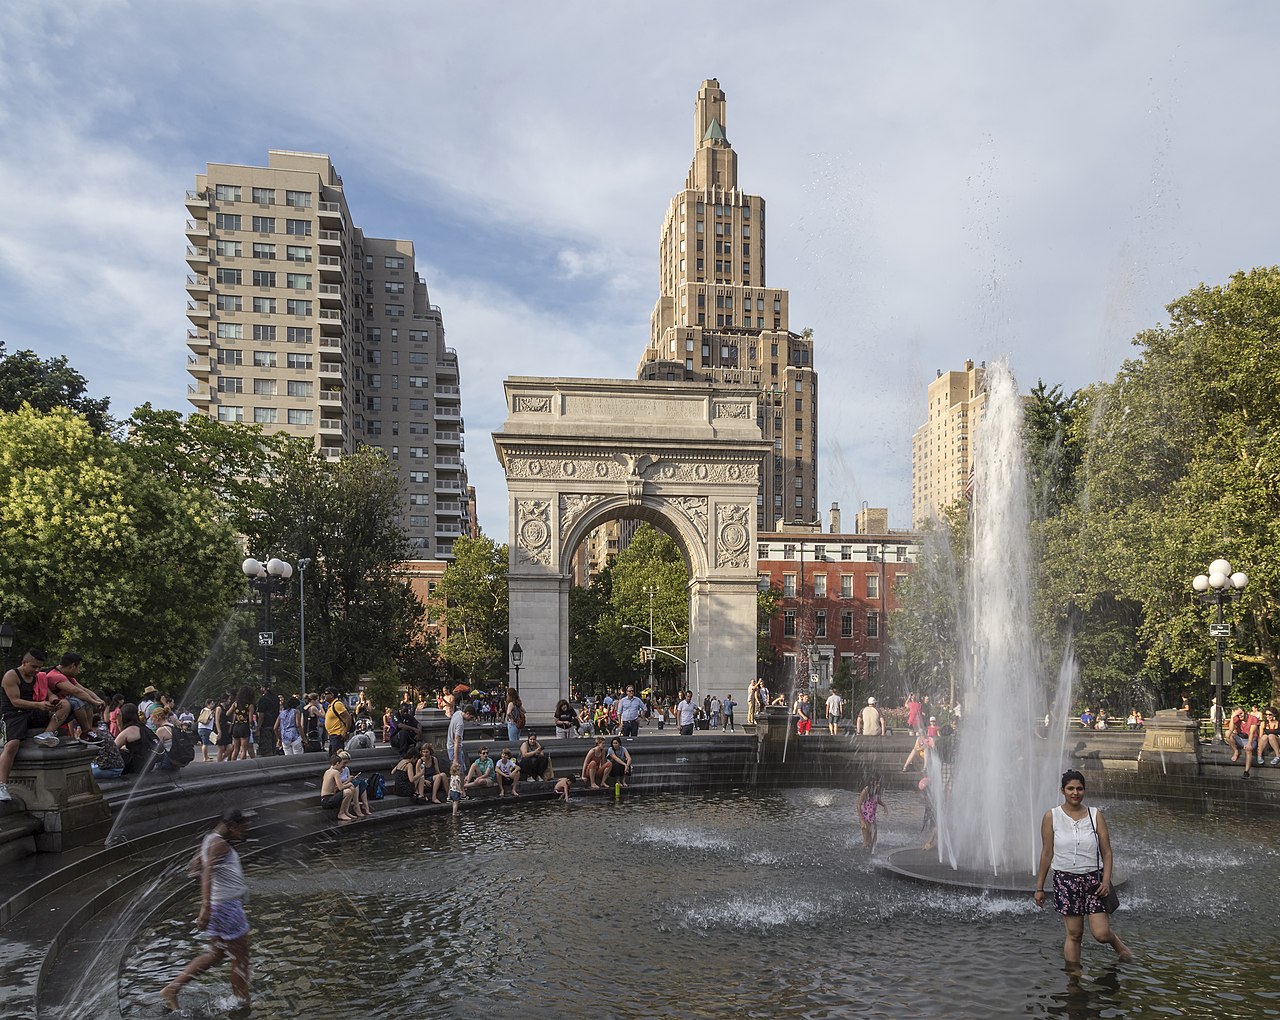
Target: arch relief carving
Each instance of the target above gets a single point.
(694, 508)
(632, 468)
(733, 534)
(533, 530)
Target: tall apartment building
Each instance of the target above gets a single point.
(942, 448)
(717, 319)
(302, 323)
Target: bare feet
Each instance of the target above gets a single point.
(501, 795)
(514, 793)
(346, 818)
(169, 996)
(1122, 951)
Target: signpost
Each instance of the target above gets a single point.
(1220, 630)
(266, 638)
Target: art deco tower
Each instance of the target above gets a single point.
(717, 319)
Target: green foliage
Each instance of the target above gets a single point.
(1053, 449)
(767, 602)
(46, 385)
(926, 625)
(106, 557)
(343, 516)
(474, 591)
(653, 560)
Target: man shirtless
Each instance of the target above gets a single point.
(337, 790)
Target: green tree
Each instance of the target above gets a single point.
(362, 614)
(474, 592)
(652, 560)
(767, 602)
(46, 384)
(124, 565)
(1053, 449)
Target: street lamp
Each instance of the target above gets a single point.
(302, 624)
(268, 578)
(7, 635)
(517, 658)
(651, 590)
(1219, 586)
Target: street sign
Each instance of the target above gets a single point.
(266, 638)
(1220, 630)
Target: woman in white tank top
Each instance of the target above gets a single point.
(1075, 841)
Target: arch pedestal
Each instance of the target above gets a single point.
(683, 456)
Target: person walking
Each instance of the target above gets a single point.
(629, 711)
(1075, 840)
(221, 916)
(686, 713)
(835, 709)
(729, 705)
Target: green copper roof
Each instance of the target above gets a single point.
(714, 133)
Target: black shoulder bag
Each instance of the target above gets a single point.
(1111, 901)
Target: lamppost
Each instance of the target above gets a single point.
(302, 624)
(651, 590)
(517, 659)
(7, 634)
(1219, 586)
(268, 578)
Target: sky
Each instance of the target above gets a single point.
(944, 181)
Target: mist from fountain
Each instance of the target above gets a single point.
(1007, 762)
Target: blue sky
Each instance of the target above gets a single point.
(944, 180)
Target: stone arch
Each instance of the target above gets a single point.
(684, 456)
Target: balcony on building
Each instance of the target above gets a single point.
(331, 321)
(199, 365)
(449, 392)
(447, 462)
(197, 230)
(449, 439)
(330, 371)
(331, 453)
(197, 256)
(448, 487)
(330, 211)
(330, 267)
(450, 510)
(448, 529)
(198, 311)
(331, 398)
(332, 343)
(198, 204)
(449, 413)
(199, 394)
(197, 285)
(330, 239)
(330, 428)
(331, 295)
(198, 340)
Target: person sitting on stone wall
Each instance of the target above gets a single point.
(481, 771)
(24, 716)
(535, 762)
(508, 774)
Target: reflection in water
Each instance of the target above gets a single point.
(725, 905)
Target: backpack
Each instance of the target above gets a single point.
(520, 719)
(182, 749)
(377, 786)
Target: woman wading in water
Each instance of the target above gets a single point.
(1075, 840)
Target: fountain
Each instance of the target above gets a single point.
(1006, 762)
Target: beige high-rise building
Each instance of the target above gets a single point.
(717, 319)
(302, 323)
(942, 448)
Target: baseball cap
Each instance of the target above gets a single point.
(871, 701)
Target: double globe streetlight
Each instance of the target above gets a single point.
(268, 578)
(1220, 585)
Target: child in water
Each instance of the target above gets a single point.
(455, 786)
(868, 802)
(562, 787)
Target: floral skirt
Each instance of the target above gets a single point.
(1073, 895)
(227, 921)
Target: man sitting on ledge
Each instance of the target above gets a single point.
(23, 714)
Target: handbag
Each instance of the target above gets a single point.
(1111, 901)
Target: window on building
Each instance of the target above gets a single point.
(819, 586)
(227, 221)
(297, 253)
(266, 334)
(298, 199)
(230, 303)
(393, 286)
(264, 278)
(265, 306)
(393, 261)
(229, 276)
(264, 359)
(789, 585)
(227, 249)
(298, 281)
(820, 624)
(298, 360)
(264, 224)
(262, 250)
(846, 552)
(298, 228)
(226, 192)
(873, 624)
(395, 311)
(846, 624)
(299, 388)
(298, 334)
(298, 416)
(230, 357)
(230, 384)
(264, 196)
(226, 413)
(846, 586)
(230, 331)
(297, 306)
(873, 586)
(788, 623)
(264, 415)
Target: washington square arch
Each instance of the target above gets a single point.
(683, 456)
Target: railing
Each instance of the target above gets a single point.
(331, 314)
(197, 252)
(447, 462)
(332, 342)
(329, 207)
(448, 391)
(330, 235)
(198, 281)
(330, 425)
(197, 196)
(332, 289)
(331, 261)
(199, 308)
(331, 451)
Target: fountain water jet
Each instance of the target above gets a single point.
(1006, 762)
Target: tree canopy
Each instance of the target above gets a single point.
(473, 593)
(46, 384)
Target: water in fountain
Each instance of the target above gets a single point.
(1006, 765)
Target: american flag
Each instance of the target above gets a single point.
(968, 485)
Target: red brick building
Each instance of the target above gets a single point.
(838, 590)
